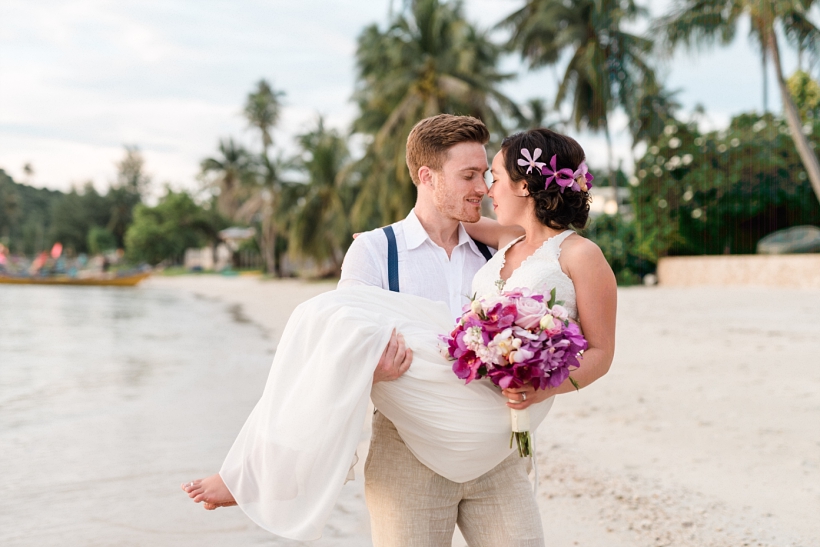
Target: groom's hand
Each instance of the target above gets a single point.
(394, 361)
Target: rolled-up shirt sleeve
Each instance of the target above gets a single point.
(363, 263)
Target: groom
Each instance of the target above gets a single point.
(429, 254)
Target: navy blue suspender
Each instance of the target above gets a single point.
(393, 257)
(483, 249)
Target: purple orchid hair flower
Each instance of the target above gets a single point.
(562, 177)
(578, 180)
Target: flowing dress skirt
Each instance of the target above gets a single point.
(290, 460)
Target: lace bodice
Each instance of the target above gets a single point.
(539, 272)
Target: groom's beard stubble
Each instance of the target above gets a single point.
(458, 207)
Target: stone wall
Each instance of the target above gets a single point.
(796, 271)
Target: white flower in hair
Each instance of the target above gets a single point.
(530, 160)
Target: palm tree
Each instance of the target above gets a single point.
(320, 227)
(695, 23)
(607, 65)
(126, 192)
(429, 60)
(267, 204)
(229, 175)
(654, 109)
(262, 110)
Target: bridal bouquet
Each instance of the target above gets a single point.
(515, 338)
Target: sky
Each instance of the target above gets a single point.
(79, 79)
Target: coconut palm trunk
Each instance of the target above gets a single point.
(267, 239)
(804, 149)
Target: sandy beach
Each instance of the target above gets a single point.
(705, 432)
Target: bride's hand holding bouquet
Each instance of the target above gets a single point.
(521, 342)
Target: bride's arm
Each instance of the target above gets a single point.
(491, 233)
(596, 297)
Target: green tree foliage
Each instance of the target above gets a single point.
(806, 94)
(722, 191)
(617, 238)
(429, 60)
(78, 212)
(264, 201)
(73, 217)
(320, 228)
(165, 231)
(262, 110)
(607, 67)
(101, 240)
(701, 23)
(655, 107)
(229, 176)
(25, 215)
(126, 192)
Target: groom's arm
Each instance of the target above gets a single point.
(364, 264)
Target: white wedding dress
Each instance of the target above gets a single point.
(292, 456)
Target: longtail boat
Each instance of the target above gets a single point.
(105, 280)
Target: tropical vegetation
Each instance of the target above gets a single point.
(692, 191)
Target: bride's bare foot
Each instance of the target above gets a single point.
(211, 490)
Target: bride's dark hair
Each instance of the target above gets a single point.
(552, 208)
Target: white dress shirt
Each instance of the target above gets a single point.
(424, 268)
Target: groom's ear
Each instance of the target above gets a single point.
(425, 176)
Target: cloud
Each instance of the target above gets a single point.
(82, 78)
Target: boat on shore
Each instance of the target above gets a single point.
(109, 280)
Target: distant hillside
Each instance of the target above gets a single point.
(25, 215)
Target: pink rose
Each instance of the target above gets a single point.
(530, 312)
(560, 312)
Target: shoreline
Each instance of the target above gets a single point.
(693, 438)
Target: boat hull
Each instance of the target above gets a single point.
(123, 281)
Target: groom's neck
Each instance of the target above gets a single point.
(442, 229)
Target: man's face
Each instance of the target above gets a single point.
(459, 186)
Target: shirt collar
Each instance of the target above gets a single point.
(415, 234)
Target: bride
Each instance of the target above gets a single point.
(292, 456)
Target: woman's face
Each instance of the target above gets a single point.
(510, 201)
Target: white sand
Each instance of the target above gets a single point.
(705, 432)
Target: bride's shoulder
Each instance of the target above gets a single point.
(580, 256)
(577, 248)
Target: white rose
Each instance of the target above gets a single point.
(547, 323)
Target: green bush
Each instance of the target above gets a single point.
(616, 237)
(722, 191)
(165, 231)
(101, 240)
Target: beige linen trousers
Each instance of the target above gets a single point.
(412, 506)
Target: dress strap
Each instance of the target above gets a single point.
(554, 243)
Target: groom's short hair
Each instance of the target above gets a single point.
(431, 138)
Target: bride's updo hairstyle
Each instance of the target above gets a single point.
(553, 208)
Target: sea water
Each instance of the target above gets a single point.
(112, 397)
